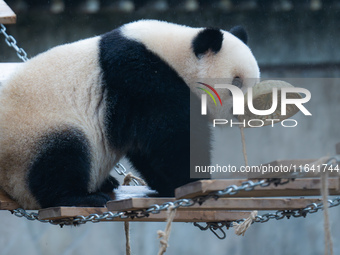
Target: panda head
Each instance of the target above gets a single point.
(198, 54)
(224, 57)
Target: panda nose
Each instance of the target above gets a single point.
(237, 81)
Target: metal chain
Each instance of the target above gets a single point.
(214, 227)
(296, 213)
(121, 170)
(11, 42)
(245, 186)
(106, 216)
(153, 209)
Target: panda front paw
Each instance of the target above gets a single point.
(109, 184)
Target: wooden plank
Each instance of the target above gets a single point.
(7, 16)
(132, 204)
(57, 213)
(6, 203)
(123, 192)
(299, 187)
(6, 69)
(293, 169)
(69, 212)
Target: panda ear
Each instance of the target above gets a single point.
(240, 33)
(207, 39)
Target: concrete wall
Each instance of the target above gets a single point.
(303, 37)
(277, 39)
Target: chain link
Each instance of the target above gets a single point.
(296, 213)
(245, 186)
(155, 209)
(11, 42)
(121, 170)
(216, 227)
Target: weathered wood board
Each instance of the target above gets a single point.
(132, 204)
(123, 192)
(57, 213)
(6, 203)
(7, 16)
(298, 187)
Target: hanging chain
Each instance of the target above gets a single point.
(296, 213)
(245, 186)
(121, 170)
(11, 42)
(213, 226)
(106, 216)
(217, 227)
(153, 209)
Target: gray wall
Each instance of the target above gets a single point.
(302, 37)
(286, 44)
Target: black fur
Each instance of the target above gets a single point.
(60, 174)
(148, 115)
(207, 39)
(109, 185)
(240, 33)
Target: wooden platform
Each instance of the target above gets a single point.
(263, 204)
(6, 203)
(57, 213)
(298, 187)
(7, 16)
(223, 209)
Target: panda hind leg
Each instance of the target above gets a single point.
(60, 174)
(164, 169)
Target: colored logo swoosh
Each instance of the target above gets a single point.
(209, 93)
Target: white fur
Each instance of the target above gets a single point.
(173, 43)
(30, 109)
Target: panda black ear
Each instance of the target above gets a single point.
(240, 33)
(207, 39)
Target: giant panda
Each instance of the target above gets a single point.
(68, 115)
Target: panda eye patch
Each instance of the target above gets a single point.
(237, 81)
